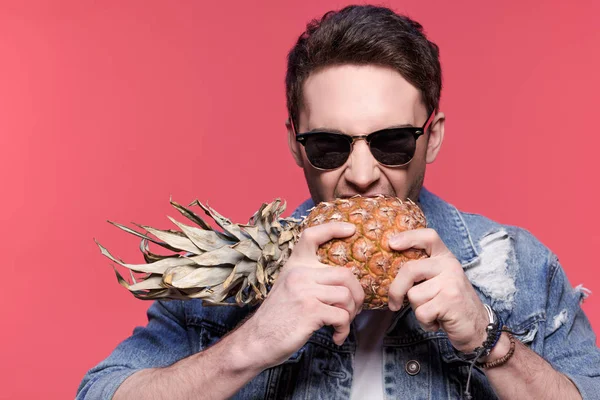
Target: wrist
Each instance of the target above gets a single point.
(221, 370)
(499, 350)
(479, 340)
(246, 354)
(482, 346)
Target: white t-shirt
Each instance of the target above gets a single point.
(367, 381)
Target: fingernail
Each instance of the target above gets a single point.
(348, 227)
(395, 240)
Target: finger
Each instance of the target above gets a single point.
(311, 238)
(337, 296)
(433, 327)
(428, 314)
(339, 319)
(426, 239)
(424, 292)
(410, 273)
(340, 276)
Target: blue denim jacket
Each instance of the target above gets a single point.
(511, 271)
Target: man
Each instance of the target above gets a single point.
(358, 71)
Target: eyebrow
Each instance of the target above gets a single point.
(333, 130)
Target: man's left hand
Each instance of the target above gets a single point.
(438, 290)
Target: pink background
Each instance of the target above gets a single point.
(108, 108)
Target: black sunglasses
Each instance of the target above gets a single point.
(391, 147)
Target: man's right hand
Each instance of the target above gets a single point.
(306, 296)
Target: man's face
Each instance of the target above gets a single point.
(358, 100)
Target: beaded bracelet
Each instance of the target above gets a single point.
(503, 360)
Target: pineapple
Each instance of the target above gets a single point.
(239, 264)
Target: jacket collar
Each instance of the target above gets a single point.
(441, 216)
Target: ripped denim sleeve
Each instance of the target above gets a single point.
(569, 341)
(159, 344)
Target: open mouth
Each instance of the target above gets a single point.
(348, 196)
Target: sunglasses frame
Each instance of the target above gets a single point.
(415, 131)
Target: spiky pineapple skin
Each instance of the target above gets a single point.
(367, 252)
(240, 263)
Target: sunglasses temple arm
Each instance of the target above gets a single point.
(429, 121)
(291, 122)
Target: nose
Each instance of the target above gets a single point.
(362, 170)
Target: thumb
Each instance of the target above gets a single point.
(311, 238)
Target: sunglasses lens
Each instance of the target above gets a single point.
(393, 147)
(327, 151)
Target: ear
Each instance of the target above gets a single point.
(436, 137)
(293, 144)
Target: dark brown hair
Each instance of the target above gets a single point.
(363, 35)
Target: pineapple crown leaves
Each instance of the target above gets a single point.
(234, 266)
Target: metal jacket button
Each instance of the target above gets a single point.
(413, 367)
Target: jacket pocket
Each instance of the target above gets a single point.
(203, 333)
(526, 331)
